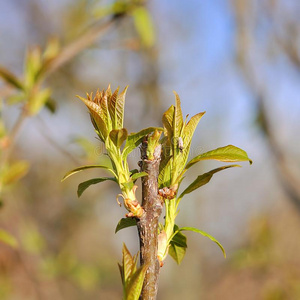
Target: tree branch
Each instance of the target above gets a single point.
(148, 223)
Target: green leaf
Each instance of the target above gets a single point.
(178, 120)
(144, 26)
(228, 153)
(179, 238)
(33, 65)
(51, 105)
(135, 176)
(164, 177)
(74, 171)
(204, 234)
(8, 239)
(127, 185)
(14, 172)
(134, 287)
(38, 100)
(178, 245)
(84, 185)
(177, 252)
(203, 179)
(118, 136)
(129, 263)
(124, 223)
(134, 139)
(11, 78)
(167, 121)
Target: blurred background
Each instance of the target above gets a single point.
(239, 60)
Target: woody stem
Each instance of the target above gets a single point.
(148, 223)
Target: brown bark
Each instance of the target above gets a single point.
(148, 223)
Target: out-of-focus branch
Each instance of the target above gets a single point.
(84, 41)
(245, 44)
(69, 52)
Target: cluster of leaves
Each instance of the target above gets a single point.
(107, 112)
(132, 277)
(107, 115)
(29, 91)
(176, 146)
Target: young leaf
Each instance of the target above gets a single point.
(178, 246)
(134, 139)
(38, 100)
(51, 105)
(144, 25)
(135, 284)
(178, 120)
(164, 177)
(167, 121)
(14, 172)
(118, 136)
(135, 176)
(128, 263)
(8, 239)
(228, 153)
(102, 100)
(190, 127)
(11, 78)
(124, 223)
(112, 105)
(74, 171)
(97, 118)
(120, 102)
(203, 179)
(84, 185)
(204, 234)
(177, 252)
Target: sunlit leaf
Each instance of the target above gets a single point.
(124, 223)
(203, 179)
(96, 115)
(11, 78)
(178, 119)
(228, 153)
(14, 172)
(164, 177)
(33, 65)
(177, 252)
(84, 185)
(167, 121)
(52, 49)
(204, 234)
(144, 26)
(135, 176)
(38, 100)
(178, 246)
(128, 185)
(135, 284)
(134, 139)
(128, 263)
(8, 239)
(118, 136)
(102, 99)
(74, 171)
(116, 108)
